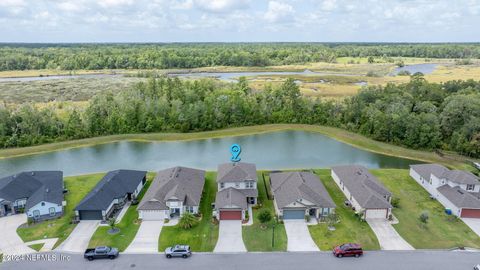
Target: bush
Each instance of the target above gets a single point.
(111, 223)
(372, 74)
(395, 202)
(265, 216)
(403, 73)
(424, 217)
(187, 220)
(332, 219)
(307, 218)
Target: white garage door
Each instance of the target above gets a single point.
(152, 215)
(376, 213)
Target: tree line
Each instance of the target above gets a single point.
(417, 114)
(193, 55)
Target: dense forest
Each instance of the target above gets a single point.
(417, 114)
(192, 55)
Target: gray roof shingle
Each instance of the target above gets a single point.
(177, 183)
(36, 186)
(289, 187)
(363, 186)
(459, 197)
(230, 198)
(236, 172)
(115, 184)
(441, 172)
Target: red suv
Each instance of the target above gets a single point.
(346, 250)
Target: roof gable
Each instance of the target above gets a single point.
(236, 172)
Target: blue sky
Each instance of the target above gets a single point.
(239, 20)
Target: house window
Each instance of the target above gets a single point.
(470, 187)
(43, 203)
(237, 185)
(249, 184)
(222, 185)
(36, 213)
(51, 211)
(189, 209)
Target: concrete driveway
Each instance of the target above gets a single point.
(298, 235)
(473, 223)
(146, 239)
(10, 242)
(230, 237)
(78, 240)
(387, 236)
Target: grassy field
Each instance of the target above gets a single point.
(36, 247)
(441, 231)
(203, 237)
(264, 238)
(350, 228)
(128, 226)
(60, 228)
(357, 140)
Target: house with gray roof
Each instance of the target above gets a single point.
(297, 194)
(458, 191)
(39, 194)
(173, 192)
(366, 194)
(111, 194)
(237, 190)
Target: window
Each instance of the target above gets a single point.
(36, 213)
(249, 184)
(222, 185)
(43, 203)
(470, 187)
(51, 211)
(189, 209)
(237, 185)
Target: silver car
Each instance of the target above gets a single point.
(178, 251)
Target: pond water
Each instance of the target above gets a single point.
(275, 150)
(423, 68)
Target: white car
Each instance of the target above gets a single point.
(476, 267)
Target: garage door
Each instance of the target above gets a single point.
(470, 213)
(90, 215)
(152, 215)
(230, 215)
(376, 213)
(294, 214)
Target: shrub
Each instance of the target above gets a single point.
(111, 223)
(332, 219)
(265, 216)
(404, 73)
(372, 74)
(307, 218)
(424, 217)
(187, 220)
(395, 202)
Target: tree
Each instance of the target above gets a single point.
(424, 217)
(187, 220)
(112, 223)
(371, 60)
(331, 220)
(265, 216)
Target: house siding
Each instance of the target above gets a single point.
(45, 210)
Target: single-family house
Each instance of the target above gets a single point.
(366, 194)
(458, 191)
(298, 194)
(39, 194)
(237, 190)
(110, 194)
(173, 191)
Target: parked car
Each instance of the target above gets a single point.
(101, 253)
(476, 267)
(178, 251)
(348, 250)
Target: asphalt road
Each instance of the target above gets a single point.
(392, 260)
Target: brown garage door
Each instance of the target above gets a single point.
(470, 213)
(230, 215)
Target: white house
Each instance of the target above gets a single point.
(237, 190)
(366, 194)
(173, 192)
(458, 191)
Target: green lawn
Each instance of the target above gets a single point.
(441, 231)
(350, 228)
(257, 238)
(37, 247)
(78, 187)
(202, 237)
(128, 226)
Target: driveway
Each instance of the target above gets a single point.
(78, 240)
(230, 237)
(299, 238)
(10, 242)
(473, 223)
(146, 239)
(387, 236)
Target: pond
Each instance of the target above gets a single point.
(274, 150)
(423, 68)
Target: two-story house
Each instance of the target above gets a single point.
(458, 191)
(173, 191)
(237, 190)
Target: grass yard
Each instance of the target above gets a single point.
(78, 187)
(350, 228)
(128, 226)
(441, 231)
(37, 247)
(257, 238)
(203, 237)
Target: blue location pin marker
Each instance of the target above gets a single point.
(235, 150)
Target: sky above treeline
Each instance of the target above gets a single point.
(239, 20)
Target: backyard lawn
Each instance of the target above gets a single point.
(203, 237)
(78, 187)
(258, 238)
(36, 247)
(441, 231)
(350, 228)
(128, 226)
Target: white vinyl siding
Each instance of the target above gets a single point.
(44, 209)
